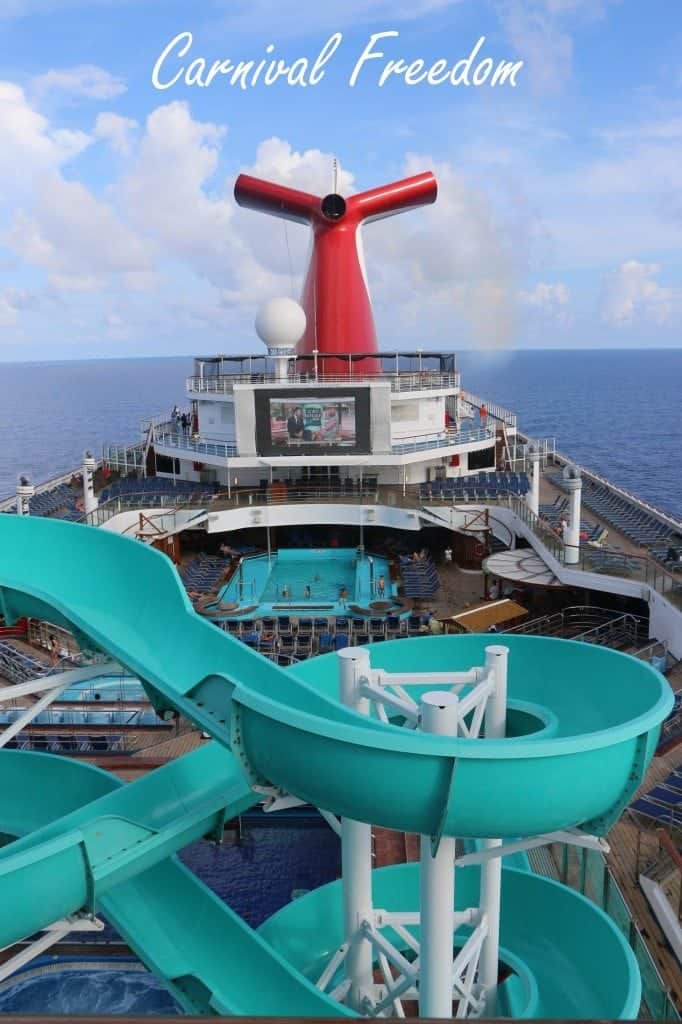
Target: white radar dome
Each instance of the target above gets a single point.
(280, 323)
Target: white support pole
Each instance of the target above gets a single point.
(50, 681)
(53, 934)
(496, 658)
(25, 491)
(572, 535)
(356, 849)
(533, 495)
(89, 500)
(440, 715)
(32, 712)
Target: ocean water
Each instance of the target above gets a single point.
(616, 412)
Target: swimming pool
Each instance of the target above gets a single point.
(86, 987)
(307, 581)
(108, 688)
(265, 870)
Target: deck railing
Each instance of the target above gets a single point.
(588, 872)
(444, 439)
(664, 517)
(128, 458)
(640, 568)
(9, 503)
(198, 445)
(602, 626)
(201, 445)
(425, 380)
(498, 412)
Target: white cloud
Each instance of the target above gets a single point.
(8, 311)
(87, 81)
(550, 302)
(632, 294)
(165, 192)
(29, 146)
(310, 171)
(456, 260)
(76, 239)
(538, 39)
(117, 130)
(540, 32)
(546, 296)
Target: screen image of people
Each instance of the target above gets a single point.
(313, 421)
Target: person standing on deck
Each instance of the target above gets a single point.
(53, 648)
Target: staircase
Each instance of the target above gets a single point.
(420, 578)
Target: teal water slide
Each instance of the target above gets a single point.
(582, 727)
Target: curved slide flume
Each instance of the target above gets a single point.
(597, 718)
(89, 841)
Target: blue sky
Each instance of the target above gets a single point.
(559, 219)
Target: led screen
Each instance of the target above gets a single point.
(317, 421)
(336, 420)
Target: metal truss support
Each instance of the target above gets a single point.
(51, 687)
(425, 968)
(571, 837)
(51, 935)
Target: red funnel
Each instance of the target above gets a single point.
(335, 295)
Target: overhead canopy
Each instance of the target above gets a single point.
(481, 617)
(521, 566)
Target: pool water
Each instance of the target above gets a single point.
(327, 573)
(87, 989)
(259, 875)
(277, 584)
(107, 688)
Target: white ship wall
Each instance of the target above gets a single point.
(217, 420)
(413, 417)
(665, 623)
